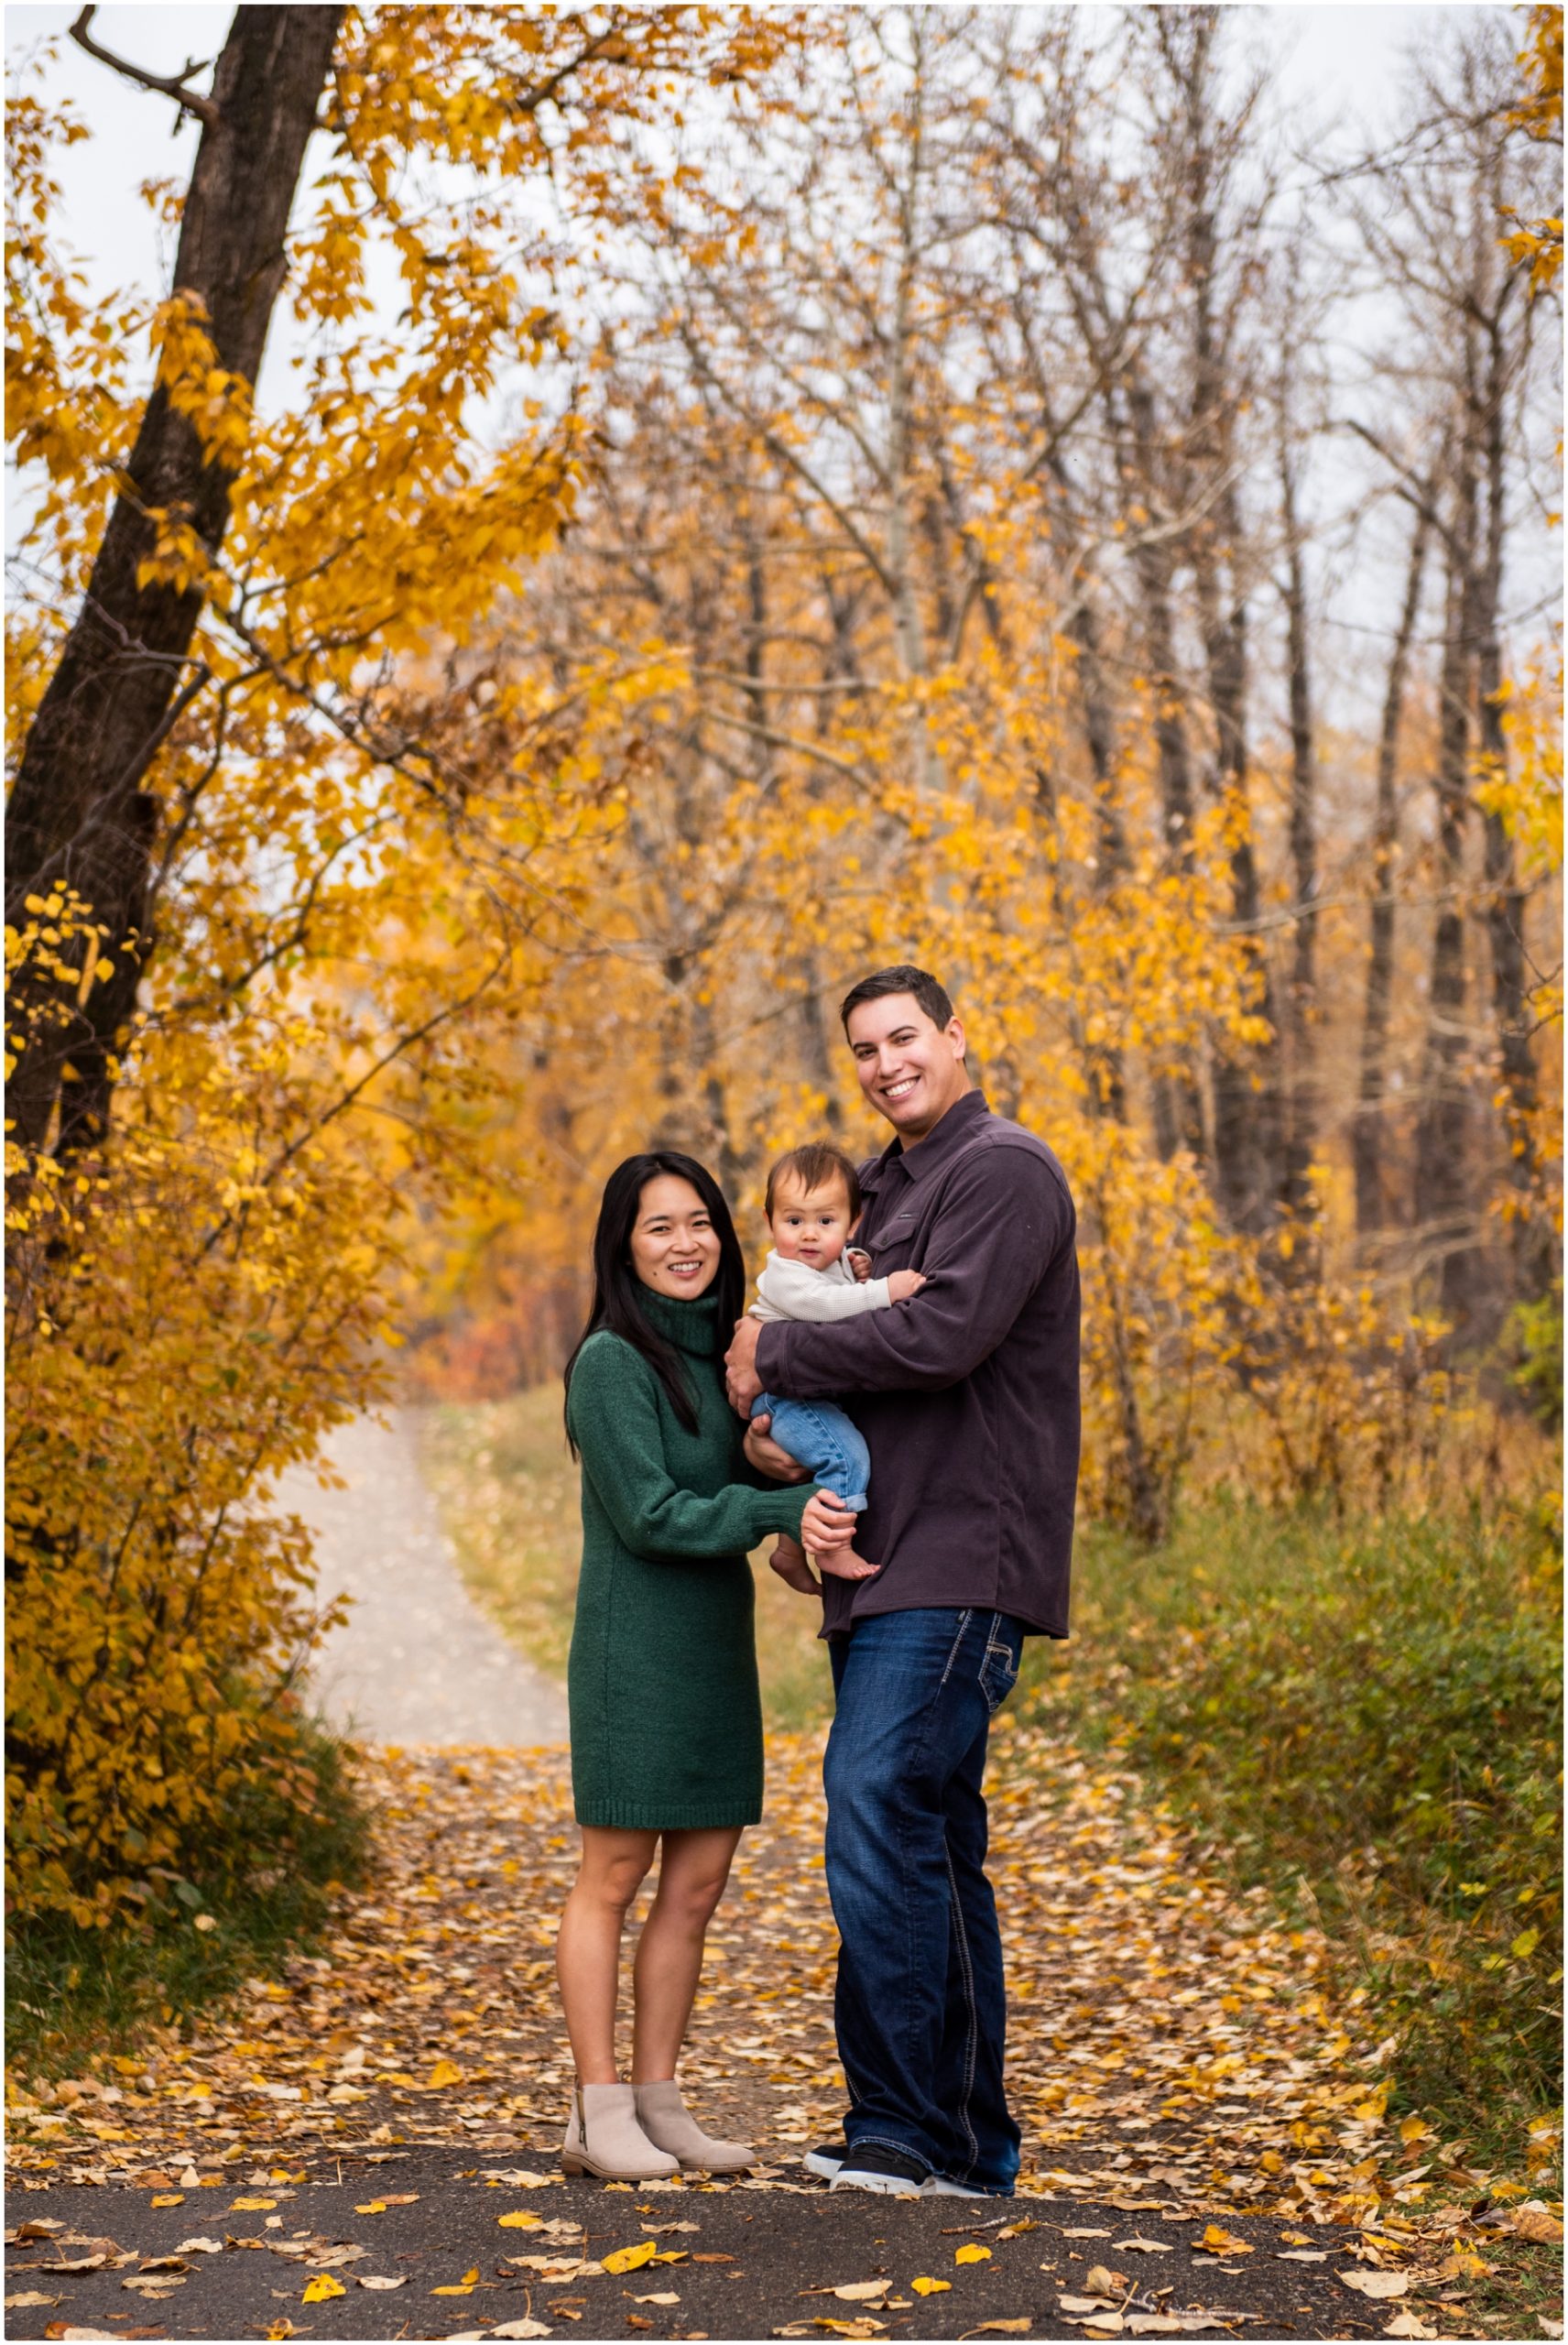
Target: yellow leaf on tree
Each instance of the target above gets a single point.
(630, 2259)
(323, 2285)
(973, 2253)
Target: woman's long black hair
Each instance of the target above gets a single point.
(618, 1291)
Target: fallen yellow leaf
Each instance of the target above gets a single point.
(630, 2259)
(446, 2072)
(1215, 2242)
(250, 2206)
(463, 2288)
(663, 2296)
(1374, 2283)
(1001, 2327)
(168, 2198)
(521, 2219)
(862, 2292)
(971, 2255)
(924, 2287)
(372, 2207)
(323, 2285)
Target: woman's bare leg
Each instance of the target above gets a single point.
(588, 1946)
(692, 1870)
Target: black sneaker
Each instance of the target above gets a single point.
(888, 2172)
(825, 2159)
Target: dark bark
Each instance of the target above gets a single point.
(1367, 1132)
(1444, 1188)
(78, 814)
(1300, 1039)
(1532, 1252)
(1177, 1101)
(1249, 1111)
(1107, 1078)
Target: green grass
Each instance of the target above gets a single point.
(1365, 1717)
(1368, 1718)
(508, 1496)
(268, 1887)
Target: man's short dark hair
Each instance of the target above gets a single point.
(814, 1167)
(902, 979)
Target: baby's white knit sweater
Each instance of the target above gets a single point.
(794, 1291)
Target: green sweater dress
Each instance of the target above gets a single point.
(666, 1715)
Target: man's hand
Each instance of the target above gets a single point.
(904, 1283)
(741, 1379)
(767, 1457)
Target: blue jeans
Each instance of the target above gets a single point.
(818, 1436)
(920, 2006)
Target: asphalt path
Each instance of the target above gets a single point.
(416, 1662)
(756, 2260)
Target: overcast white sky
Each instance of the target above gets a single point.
(1338, 68)
(1335, 61)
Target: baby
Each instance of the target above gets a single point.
(813, 1206)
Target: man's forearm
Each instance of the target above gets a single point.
(807, 1363)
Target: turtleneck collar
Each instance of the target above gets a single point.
(692, 1327)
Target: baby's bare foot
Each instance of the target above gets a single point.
(844, 1563)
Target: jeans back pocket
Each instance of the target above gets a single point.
(999, 1667)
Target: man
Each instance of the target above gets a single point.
(967, 1397)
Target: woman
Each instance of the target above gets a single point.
(665, 1716)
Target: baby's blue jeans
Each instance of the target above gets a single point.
(819, 1436)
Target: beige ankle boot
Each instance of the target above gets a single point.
(666, 2120)
(603, 2137)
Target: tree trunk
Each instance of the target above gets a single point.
(1177, 1100)
(1301, 1122)
(1248, 1109)
(1444, 1188)
(1505, 915)
(1366, 1132)
(79, 817)
(1107, 1082)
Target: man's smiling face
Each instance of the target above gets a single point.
(911, 1069)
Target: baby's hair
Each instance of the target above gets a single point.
(813, 1167)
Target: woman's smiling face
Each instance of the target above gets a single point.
(675, 1247)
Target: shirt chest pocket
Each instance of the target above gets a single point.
(894, 1243)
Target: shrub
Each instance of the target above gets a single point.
(1368, 1718)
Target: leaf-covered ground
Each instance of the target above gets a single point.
(1172, 2053)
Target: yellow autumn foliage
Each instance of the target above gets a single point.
(339, 885)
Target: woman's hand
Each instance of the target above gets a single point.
(827, 1524)
(767, 1455)
(742, 1381)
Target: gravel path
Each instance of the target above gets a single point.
(417, 1661)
